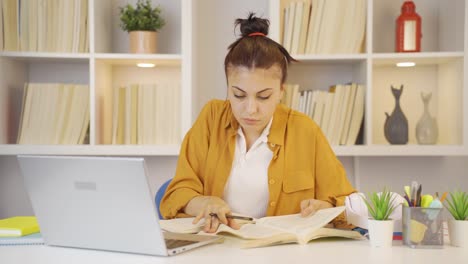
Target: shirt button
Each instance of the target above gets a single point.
(272, 181)
(272, 204)
(272, 145)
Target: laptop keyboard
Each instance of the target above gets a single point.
(175, 243)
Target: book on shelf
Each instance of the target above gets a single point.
(32, 25)
(351, 89)
(325, 27)
(18, 226)
(314, 26)
(338, 112)
(332, 130)
(304, 26)
(45, 25)
(357, 116)
(146, 114)
(296, 35)
(273, 230)
(327, 111)
(24, 24)
(54, 114)
(41, 25)
(290, 26)
(359, 32)
(10, 10)
(285, 28)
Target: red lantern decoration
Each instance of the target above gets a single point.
(408, 29)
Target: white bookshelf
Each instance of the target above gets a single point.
(107, 65)
(440, 68)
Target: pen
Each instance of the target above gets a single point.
(235, 217)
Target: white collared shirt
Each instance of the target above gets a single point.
(246, 191)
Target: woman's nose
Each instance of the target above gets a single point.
(252, 106)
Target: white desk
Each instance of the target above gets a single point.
(321, 251)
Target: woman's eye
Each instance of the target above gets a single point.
(239, 96)
(264, 97)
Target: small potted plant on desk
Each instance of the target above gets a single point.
(457, 205)
(142, 23)
(380, 207)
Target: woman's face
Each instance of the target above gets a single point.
(254, 95)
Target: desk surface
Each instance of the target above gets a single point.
(319, 251)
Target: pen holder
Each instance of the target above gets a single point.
(422, 227)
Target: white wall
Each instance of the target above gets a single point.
(214, 23)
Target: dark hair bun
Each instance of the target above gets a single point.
(252, 24)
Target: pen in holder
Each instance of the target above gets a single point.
(422, 227)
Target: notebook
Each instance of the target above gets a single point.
(100, 203)
(32, 239)
(18, 226)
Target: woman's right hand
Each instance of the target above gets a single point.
(213, 209)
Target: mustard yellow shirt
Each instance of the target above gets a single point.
(303, 165)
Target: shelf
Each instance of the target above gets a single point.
(440, 69)
(401, 150)
(173, 150)
(45, 56)
(87, 150)
(329, 58)
(420, 58)
(132, 59)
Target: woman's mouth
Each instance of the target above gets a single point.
(250, 121)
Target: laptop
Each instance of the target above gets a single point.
(102, 203)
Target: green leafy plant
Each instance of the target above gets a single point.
(381, 205)
(143, 17)
(457, 205)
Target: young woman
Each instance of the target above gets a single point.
(250, 154)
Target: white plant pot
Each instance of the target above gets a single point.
(380, 232)
(458, 233)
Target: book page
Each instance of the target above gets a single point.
(299, 225)
(247, 231)
(333, 232)
(182, 225)
(250, 231)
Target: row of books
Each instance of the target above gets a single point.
(44, 25)
(339, 112)
(323, 26)
(146, 114)
(54, 113)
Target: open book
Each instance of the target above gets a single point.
(273, 230)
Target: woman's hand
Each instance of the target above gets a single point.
(311, 206)
(213, 210)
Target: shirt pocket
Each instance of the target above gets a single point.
(298, 181)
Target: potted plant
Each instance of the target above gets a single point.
(380, 207)
(457, 205)
(142, 23)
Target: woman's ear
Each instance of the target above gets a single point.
(281, 93)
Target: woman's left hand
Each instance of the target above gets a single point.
(310, 206)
